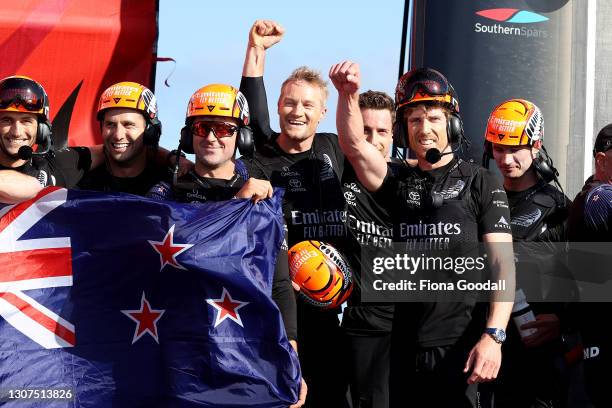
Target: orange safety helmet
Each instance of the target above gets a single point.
(218, 100)
(516, 122)
(129, 95)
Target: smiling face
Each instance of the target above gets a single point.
(122, 133)
(16, 129)
(378, 129)
(426, 127)
(301, 106)
(214, 152)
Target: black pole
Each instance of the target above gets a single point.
(395, 152)
(404, 38)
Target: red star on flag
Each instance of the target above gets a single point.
(227, 308)
(146, 319)
(168, 250)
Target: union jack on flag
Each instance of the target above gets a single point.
(133, 302)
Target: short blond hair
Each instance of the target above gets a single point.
(311, 77)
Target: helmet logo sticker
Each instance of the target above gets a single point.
(150, 102)
(243, 106)
(116, 100)
(211, 108)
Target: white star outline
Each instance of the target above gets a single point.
(183, 247)
(219, 310)
(137, 336)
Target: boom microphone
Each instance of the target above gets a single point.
(25, 153)
(433, 155)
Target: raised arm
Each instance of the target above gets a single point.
(263, 35)
(370, 166)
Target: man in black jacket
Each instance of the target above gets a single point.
(24, 123)
(215, 128)
(309, 166)
(539, 213)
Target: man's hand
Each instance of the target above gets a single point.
(484, 360)
(185, 166)
(265, 33)
(346, 77)
(302, 397)
(256, 190)
(548, 329)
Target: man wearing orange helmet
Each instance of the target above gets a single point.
(127, 112)
(539, 212)
(438, 205)
(24, 122)
(216, 127)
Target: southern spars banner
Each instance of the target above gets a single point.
(75, 49)
(493, 50)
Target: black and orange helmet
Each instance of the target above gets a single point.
(23, 94)
(424, 85)
(516, 122)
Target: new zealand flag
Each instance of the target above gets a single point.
(121, 301)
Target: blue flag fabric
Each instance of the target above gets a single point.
(122, 301)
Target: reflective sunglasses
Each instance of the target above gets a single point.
(219, 129)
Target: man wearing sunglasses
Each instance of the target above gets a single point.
(216, 126)
(591, 222)
(440, 204)
(24, 122)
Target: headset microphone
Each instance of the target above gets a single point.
(25, 153)
(433, 155)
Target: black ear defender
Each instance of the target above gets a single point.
(186, 140)
(245, 141)
(454, 128)
(152, 133)
(544, 166)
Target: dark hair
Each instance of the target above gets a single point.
(378, 101)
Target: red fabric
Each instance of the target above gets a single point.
(64, 43)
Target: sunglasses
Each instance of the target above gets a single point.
(220, 130)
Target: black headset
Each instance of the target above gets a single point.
(244, 140)
(44, 135)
